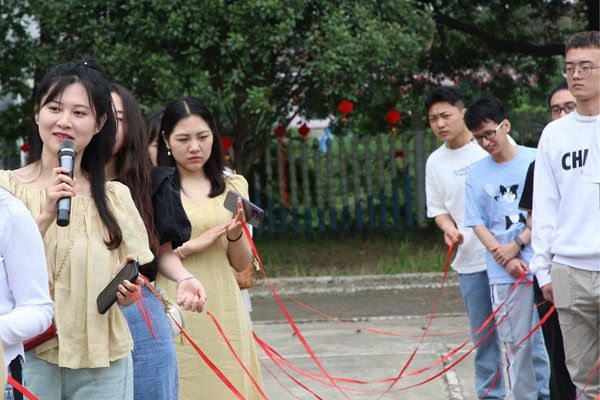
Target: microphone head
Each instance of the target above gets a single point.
(67, 148)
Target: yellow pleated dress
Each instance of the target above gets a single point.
(211, 266)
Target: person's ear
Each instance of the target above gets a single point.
(508, 126)
(464, 111)
(162, 134)
(101, 124)
(36, 110)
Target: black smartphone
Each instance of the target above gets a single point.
(254, 214)
(108, 297)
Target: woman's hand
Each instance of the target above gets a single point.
(234, 231)
(206, 239)
(60, 185)
(126, 288)
(191, 295)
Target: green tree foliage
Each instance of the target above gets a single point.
(523, 40)
(257, 63)
(511, 49)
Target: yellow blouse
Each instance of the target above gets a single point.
(85, 338)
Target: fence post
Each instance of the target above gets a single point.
(257, 199)
(293, 187)
(319, 188)
(281, 180)
(394, 175)
(356, 172)
(330, 186)
(369, 184)
(306, 189)
(343, 177)
(406, 178)
(381, 181)
(419, 144)
(270, 203)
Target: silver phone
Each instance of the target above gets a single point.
(254, 214)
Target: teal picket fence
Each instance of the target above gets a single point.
(347, 183)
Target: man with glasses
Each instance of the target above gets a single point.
(492, 190)
(445, 175)
(561, 102)
(566, 231)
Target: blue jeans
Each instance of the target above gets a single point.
(154, 360)
(50, 382)
(488, 355)
(9, 391)
(528, 367)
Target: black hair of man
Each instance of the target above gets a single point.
(558, 88)
(445, 94)
(484, 110)
(583, 40)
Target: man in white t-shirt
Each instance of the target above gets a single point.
(446, 171)
(566, 231)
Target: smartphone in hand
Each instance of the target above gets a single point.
(108, 297)
(254, 214)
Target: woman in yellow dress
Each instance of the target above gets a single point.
(90, 356)
(192, 144)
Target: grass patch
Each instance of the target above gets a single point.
(345, 253)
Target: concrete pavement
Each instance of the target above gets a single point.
(399, 306)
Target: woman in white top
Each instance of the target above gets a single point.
(25, 306)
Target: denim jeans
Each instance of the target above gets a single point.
(475, 290)
(50, 382)
(154, 359)
(9, 391)
(528, 366)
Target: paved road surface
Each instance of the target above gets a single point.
(400, 306)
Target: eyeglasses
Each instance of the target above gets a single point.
(584, 70)
(488, 135)
(569, 107)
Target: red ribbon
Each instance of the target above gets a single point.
(16, 385)
(204, 357)
(235, 354)
(288, 317)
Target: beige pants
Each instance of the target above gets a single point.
(577, 300)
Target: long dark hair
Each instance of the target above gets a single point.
(133, 164)
(99, 150)
(153, 120)
(178, 110)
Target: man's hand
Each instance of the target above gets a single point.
(548, 292)
(452, 235)
(516, 267)
(506, 252)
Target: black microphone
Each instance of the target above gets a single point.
(66, 158)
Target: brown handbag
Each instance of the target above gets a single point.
(247, 277)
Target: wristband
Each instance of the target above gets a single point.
(185, 279)
(234, 240)
(179, 251)
(520, 242)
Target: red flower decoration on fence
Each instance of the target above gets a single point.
(279, 131)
